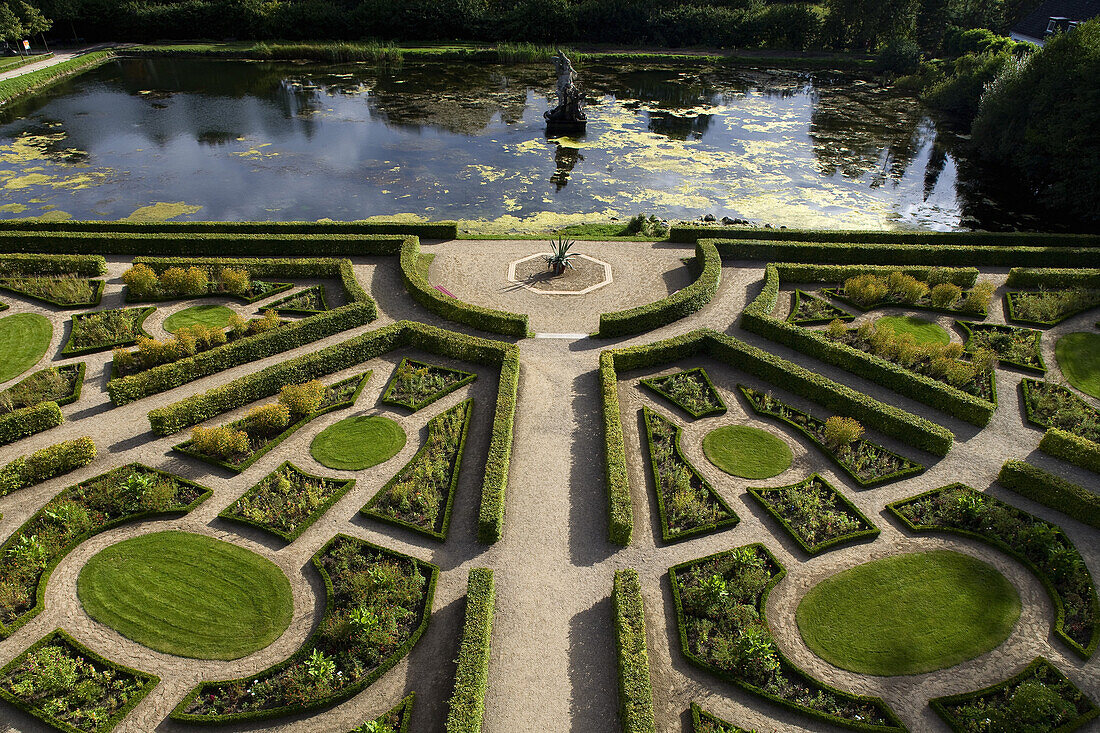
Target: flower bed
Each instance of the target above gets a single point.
(817, 515)
(720, 601)
(867, 463)
(102, 330)
(690, 389)
(65, 292)
(1039, 698)
(394, 721)
(808, 309)
(1049, 307)
(932, 291)
(287, 501)
(686, 502)
(378, 603)
(704, 722)
(124, 494)
(238, 452)
(60, 384)
(417, 384)
(1050, 405)
(421, 495)
(70, 687)
(304, 302)
(1040, 545)
(1016, 346)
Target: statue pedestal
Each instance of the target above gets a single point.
(568, 118)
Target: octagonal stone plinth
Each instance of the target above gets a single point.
(587, 274)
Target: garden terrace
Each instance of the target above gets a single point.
(287, 501)
(816, 515)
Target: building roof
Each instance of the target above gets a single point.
(1035, 24)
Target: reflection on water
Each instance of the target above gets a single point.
(267, 140)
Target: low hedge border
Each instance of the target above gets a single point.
(757, 318)
(414, 273)
(427, 230)
(291, 429)
(796, 300)
(444, 523)
(1071, 448)
(467, 704)
(1053, 278)
(887, 419)
(159, 242)
(897, 726)
(29, 421)
(45, 265)
(635, 688)
(682, 233)
(47, 463)
(316, 514)
(404, 711)
(1055, 599)
(969, 327)
(124, 390)
(283, 310)
(804, 272)
(276, 288)
(70, 350)
(150, 681)
(940, 704)
(870, 533)
(350, 691)
(672, 308)
(34, 81)
(268, 381)
(97, 295)
(1051, 491)
(667, 535)
(649, 383)
(387, 396)
(44, 578)
(698, 716)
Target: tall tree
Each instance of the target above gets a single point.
(34, 21)
(11, 29)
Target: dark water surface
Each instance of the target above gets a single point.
(224, 140)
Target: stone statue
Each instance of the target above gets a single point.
(569, 115)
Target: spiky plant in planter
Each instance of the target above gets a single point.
(560, 256)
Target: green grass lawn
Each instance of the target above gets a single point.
(923, 330)
(909, 614)
(187, 594)
(24, 339)
(215, 316)
(747, 452)
(1078, 357)
(359, 442)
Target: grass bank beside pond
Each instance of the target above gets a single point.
(36, 80)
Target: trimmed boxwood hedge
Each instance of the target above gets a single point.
(757, 318)
(414, 273)
(653, 384)
(406, 363)
(635, 689)
(268, 381)
(1053, 278)
(467, 705)
(1071, 448)
(29, 421)
(699, 716)
(43, 265)
(1056, 600)
(71, 350)
(428, 569)
(687, 233)
(47, 463)
(906, 427)
(97, 294)
(895, 724)
(162, 242)
(870, 532)
(678, 305)
(1051, 491)
(1038, 668)
(428, 230)
(403, 711)
(60, 636)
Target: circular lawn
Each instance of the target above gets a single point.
(1078, 357)
(359, 442)
(923, 330)
(213, 316)
(909, 614)
(24, 339)
(747, 452)
(187, 594)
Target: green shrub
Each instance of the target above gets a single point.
(142, 282)
(46, 463)
(842, 431)
(467, 704)
(635, 690)
(267, 420)
(1051, 491)
(235, 280)
(28, 421)
(221, 441)
(1071, 448)
(945, 295)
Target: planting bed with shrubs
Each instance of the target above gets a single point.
(720, 602)
(1040, 545)
(869, 464)
(287, 501)
(1050, 405)
(1012, 345)
(690, 389)
(60, 384)
(421, 495)
(417, 384)
(934, 291)
(394, 721)
(808, 309)
(305, 302)
(102, 330)
(67, 291)
(239, 444)
(1049, 307)
(704, 722)
(817, 515)
(144, 284)
(686, 502)
(377, 606)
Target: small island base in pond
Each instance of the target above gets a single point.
(568, 118)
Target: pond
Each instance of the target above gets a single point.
(242, 140)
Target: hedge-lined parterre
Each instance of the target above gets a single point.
(817, 515)
(287, 501)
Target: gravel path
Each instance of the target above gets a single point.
(553, 658)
